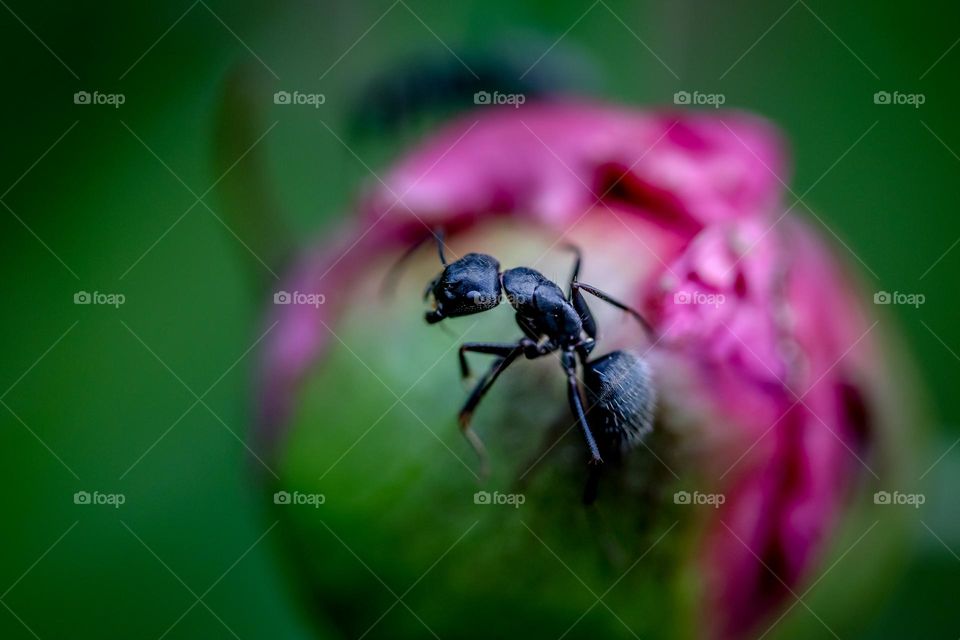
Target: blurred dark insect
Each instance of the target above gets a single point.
(410, 95)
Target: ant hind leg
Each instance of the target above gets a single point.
(576, 406)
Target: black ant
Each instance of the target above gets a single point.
(618, 385)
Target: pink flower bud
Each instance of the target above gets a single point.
(768, 371)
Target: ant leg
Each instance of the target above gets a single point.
(576, 404)
(492, 348)
(466, 413)
(608, 298)
(485, 383)
(576, 298)
(583, 310)
(592, 486)
(576, 265)
(526, 327)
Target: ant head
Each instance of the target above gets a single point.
(469, 285)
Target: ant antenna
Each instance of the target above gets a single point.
(438, 235)
(450, 332)
(389, 284)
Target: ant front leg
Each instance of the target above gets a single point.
(568, 361)
(492, 348)
(480, 390)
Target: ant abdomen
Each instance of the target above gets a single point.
(621, 399)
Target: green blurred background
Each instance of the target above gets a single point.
(95, 199)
